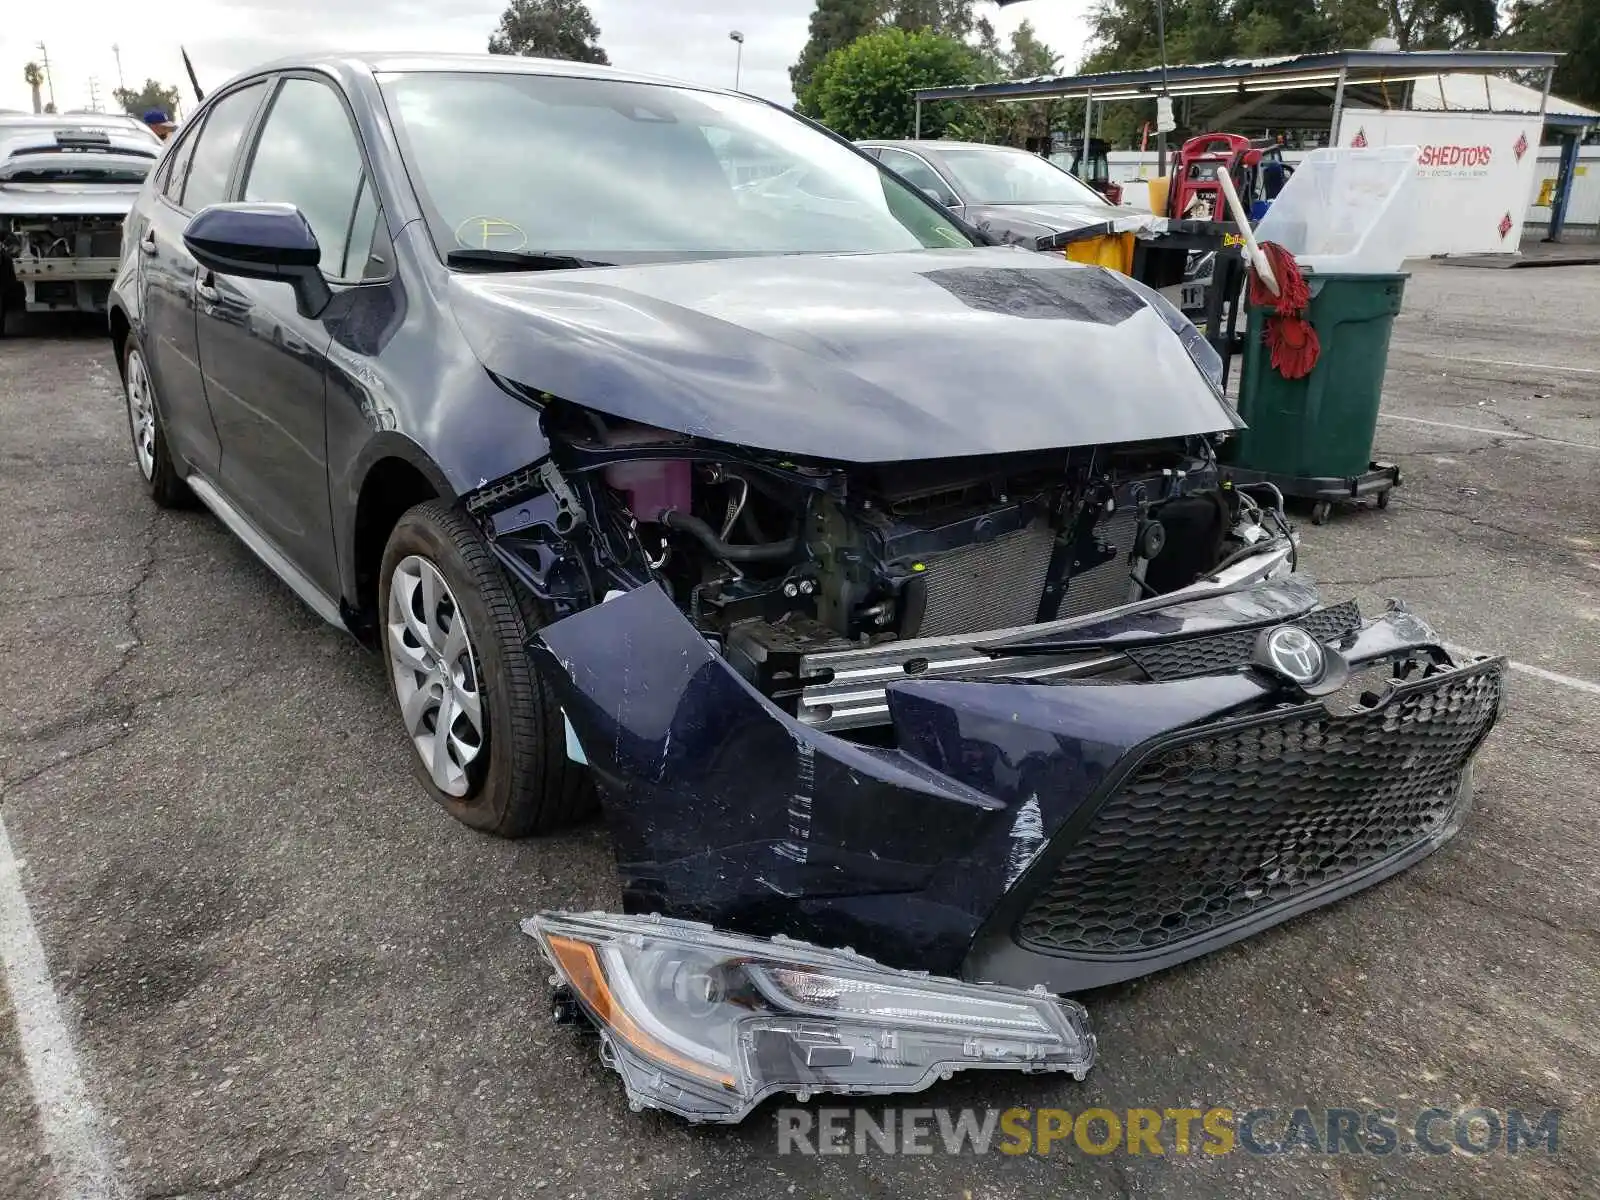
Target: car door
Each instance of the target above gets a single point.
(193, 175)
(264, 363)
(916, 171)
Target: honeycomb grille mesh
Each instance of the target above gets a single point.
(1247, 818)
(1224, 651)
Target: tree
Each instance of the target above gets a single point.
(34, 78)
(153, 94)
(953, 17)
(863, 90)
(1442, 24)
(549, 29)
(1030, 58)
(991, 56)
(1013, 124)
(1569, 25)
(834, 25)
(1123, 31)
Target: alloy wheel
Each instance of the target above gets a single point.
(435, 673)
(141, 414)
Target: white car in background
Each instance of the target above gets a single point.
(67, 182)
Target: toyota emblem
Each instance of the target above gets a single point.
(1296, 654)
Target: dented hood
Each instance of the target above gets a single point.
(855, 358)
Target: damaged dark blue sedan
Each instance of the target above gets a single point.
(878, 582)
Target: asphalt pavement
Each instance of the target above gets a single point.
(284, 972)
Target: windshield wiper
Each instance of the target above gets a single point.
(519, 260)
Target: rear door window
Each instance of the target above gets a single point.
(176, 168)
(225, 127)
(917, 173)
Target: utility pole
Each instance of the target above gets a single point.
(44, 61)
(1163, 102)
(122, 84)
(738, 62)
(94, 93)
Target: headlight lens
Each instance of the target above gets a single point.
(707, 1025)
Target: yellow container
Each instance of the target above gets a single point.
(1114, 250)
(1160, 191)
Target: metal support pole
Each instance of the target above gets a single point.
(918, 133)
(1569, 149)
(1161, 38)
(1569, 167)
(1338, 107)
(1088, 108)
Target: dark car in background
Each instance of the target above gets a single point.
(1011, 194)
(66, 183)
(880, 583)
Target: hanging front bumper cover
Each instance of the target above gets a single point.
(707, 1025)
(1067, 834)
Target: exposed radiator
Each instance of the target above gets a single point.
(991, 585)
(1108, 584)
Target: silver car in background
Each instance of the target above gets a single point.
(67, 183)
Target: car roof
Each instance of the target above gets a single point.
(349, 63)
(934, 144)
(73, 120)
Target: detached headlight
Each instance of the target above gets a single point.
(707, 1024)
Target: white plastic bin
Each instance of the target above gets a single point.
(1347, 211)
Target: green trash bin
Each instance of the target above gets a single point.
(1313, 437)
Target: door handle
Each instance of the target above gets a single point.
(147, 243)
(204, 290)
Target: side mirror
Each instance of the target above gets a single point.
(261, 241)
(943, 201)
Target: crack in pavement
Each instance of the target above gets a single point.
(1523, 536)
(127, 718)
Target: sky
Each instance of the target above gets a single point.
(686, 39)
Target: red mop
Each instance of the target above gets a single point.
(1290, 337)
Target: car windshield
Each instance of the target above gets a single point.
(614, 171)
(1003, 176)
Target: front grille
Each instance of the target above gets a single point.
(1235, 820)
(1225, 651)
(988, 585)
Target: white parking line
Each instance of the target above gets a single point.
(1508, 362)
(71, 1127)
(1498, 433)
(1461, 654)
(1582, 685)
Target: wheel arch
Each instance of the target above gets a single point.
(395, 476)
(121, 329)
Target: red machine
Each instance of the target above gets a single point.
(1257, 168)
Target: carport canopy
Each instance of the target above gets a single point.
(1295, 91)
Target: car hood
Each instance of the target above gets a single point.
(1052, 218)
(854, 358)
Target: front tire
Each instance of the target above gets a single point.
(150, 452)
(488, 737)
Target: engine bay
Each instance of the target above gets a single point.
(62, 262)
(775, 560)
